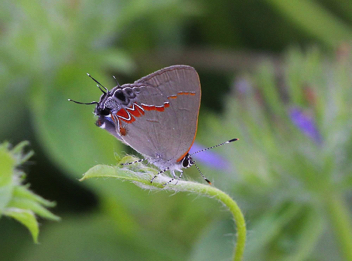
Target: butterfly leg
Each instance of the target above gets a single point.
(132, 162)
(179, 177)
(172, 179)
(160, 172)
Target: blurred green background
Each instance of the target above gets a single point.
(275, 74)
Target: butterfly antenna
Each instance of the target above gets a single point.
(207, 180)
(84, 103)
(117, 83)
(212, 147)
(100, 86)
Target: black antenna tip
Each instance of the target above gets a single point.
(207, 180)
(232, 140)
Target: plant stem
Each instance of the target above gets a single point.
(341, 223)
(240, 223)
(234, 209)
(182, 186)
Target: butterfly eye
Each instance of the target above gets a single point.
(185, 162)
(104, 112)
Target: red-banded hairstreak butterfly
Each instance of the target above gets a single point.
(156, 115)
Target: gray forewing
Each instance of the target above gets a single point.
(166, 136)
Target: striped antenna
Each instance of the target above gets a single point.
(212, 147)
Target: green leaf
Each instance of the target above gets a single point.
(16, 200)
(24, 192)
(6, 175)
(6, 166)
(27, 218)
(37, 208)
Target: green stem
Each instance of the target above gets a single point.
(341, 223)
(239, 220)
(142, 179)
(213, 192)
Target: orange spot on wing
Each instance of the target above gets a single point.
(123, 131)
(181, 93)
(186, 93)
(117, 121)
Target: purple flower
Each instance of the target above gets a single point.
(209, 158)
(242, 85)
(305, 123)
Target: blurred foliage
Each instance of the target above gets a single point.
(291, 168)
(16, 200)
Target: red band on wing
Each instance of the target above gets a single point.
(128, 115)
(123, 113)
(181, 93)
(139, 109)
(125, 116)
(149, 107)
(160, 108)
(135, 111)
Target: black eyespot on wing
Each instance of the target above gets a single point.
(120, 95)
(129, 92)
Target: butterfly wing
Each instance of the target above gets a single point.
(163, 120)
